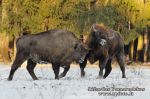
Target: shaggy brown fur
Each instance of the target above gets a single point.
(104, 43)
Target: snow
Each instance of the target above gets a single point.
(72, 86)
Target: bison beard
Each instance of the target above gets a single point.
(58, 47)
(105, 44)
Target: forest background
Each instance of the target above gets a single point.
(130, 17)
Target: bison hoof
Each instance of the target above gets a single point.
(123, 76)
(99, 77)
(35, 79)
(9, 79)
(82, 74)
(61, 75)
(56, 78)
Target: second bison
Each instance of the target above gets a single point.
(58, 47)
(104, 44)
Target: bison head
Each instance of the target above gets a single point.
(80, 52)
(100, 34)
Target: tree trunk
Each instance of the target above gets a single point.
(1, 57)
(140, 48)
(0, 29)
(4, 35)
(146, 45)
(5, 51)
(135, 50)
(46, 24)
(93, 4)
(131, 47)
(0, 13)
(148, 51)
(5, 21)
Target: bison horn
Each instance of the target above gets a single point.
(111, 37)
(93, 28)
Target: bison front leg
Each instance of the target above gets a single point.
(102, 66)
(108, 68)
(64, 72)
(82, 66)
(30, 67)
(56, 68)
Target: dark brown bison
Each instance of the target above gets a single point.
(105, 44)
(58, 47)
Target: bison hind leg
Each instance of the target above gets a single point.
(121, 61)
(30, 67)
(56, 68)
(108, 69)
(63, 74)
(20, 58)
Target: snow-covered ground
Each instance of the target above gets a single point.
(72, 86)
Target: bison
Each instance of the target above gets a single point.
(58, 47)
(105, 44)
